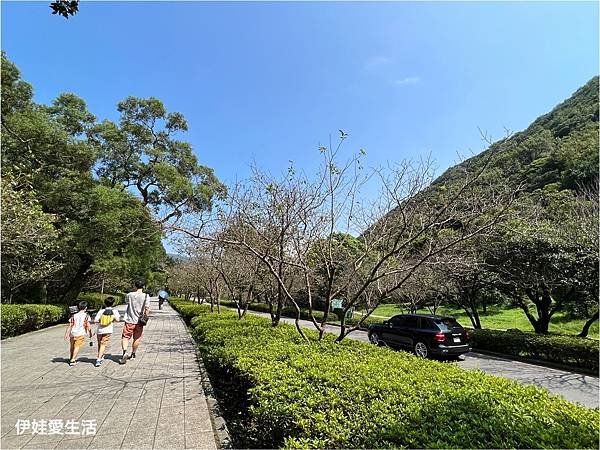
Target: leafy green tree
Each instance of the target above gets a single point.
(100, 227)
(142, 153)
(544, 260)
(30, 243)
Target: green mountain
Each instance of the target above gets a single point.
(559, 150)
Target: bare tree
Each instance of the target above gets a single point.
(319, 230)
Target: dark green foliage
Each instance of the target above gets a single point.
(68, 177)
(569, 350)
(65, 8)
(95, 300)
(558, 149)
(23, 318)
(294, 394)
(19, 319)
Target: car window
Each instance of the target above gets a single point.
(398, 321)
(426, 324)
(411, 322)
(447, 323)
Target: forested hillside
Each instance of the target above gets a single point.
(543, 256)
(559, 150)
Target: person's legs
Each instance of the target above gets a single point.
(124, 344)
(71, 348)
(135, 345)
(127, 333)
(103, 340)
(76, 343)
(137, 338)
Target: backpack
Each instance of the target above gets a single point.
(107, 317)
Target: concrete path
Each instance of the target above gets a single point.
(153, 401)
(583, 389)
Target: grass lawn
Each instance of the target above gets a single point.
(500, 318)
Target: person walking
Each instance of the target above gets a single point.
(138, 310)
(105, 318)
(79, 326)
(162, 297)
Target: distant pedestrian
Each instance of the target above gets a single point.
(162, 297)
(138, 309)
(105, 318)
(79, 325)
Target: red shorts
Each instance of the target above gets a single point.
(132, 329)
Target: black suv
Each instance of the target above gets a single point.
(424, 335)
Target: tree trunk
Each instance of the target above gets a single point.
(477, 322)
(279, 310)
(73, 290)
(588, 324)
(543, 321)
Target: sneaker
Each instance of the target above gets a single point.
(123, 359)
(98, 362)
(73, 363)
(132, 355)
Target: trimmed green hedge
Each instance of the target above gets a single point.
(354, 395)
(22, 318)
(19, 319)
(304, 314)
(569, 350)
(95, 300)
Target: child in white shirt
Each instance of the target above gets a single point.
(105, 318)
(79, 325)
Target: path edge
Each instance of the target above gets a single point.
(220, 430)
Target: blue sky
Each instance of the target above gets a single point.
(268, 82)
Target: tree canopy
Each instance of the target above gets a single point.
(92, 193)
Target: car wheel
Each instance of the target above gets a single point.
(421, 350)
(374, 338)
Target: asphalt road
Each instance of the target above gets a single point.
(583, 389)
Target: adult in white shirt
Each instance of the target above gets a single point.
(138, 304)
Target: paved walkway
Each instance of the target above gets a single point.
(154, 401)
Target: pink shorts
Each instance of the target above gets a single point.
(132, 329)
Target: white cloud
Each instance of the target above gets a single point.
(376, 62)
(407, 80)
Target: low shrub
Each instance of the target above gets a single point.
(304, 314)
(19, 319)
(354, 395)
(569, 350)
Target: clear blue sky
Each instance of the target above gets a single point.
(269, 81)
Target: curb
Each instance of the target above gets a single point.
(12, 338)
(538, 362)
(220, 431)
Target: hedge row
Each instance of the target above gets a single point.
(19, 319)
(304, 314)
(568, 350)
(23, 318)
(95, 300)
(354, 395)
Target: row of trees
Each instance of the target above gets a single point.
(304, 241)
(516, 225)
(86, 203)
